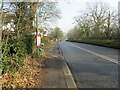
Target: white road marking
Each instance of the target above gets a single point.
(99, 55)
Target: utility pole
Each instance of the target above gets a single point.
(36, 22)
(37, 32)
(37, 15)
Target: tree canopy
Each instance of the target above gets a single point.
(98, 23)
(57, 34)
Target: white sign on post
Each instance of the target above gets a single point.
(38, 40)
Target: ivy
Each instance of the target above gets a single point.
(19, 43)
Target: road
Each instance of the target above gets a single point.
(92, 66)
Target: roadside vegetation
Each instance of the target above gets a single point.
(22, 66)
(57, 34)
(98, 25)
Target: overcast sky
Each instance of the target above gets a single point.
(74, 7)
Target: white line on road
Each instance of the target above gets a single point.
(99, 55)
(68, 75)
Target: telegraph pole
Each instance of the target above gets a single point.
(37, 32)
(38, 37)
(36, 23)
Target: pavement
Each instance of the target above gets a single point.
(92, 66)
(58, 73)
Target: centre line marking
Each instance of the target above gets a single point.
(99, 55)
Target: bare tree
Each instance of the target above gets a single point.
(98, 13)
(48, 13)
(98, 22)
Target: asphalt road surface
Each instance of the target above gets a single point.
(92, 66)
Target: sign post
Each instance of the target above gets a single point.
(38, 40)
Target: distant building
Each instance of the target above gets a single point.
(50, 37)
(8, 25)
(7, 32)
(8, 22)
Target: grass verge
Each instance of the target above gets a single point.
(105, 43)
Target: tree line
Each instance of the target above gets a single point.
(57, 34)
(98, 22)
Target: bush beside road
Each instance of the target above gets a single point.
(105, 43)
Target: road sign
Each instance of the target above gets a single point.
(38, 40)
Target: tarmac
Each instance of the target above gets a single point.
(58, 74)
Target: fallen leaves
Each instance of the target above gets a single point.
(31, 75)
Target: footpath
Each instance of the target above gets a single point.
(58, 74)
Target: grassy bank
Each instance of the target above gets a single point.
(105, 43)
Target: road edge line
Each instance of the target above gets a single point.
(70, 81)
(97, 54)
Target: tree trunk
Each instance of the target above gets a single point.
(0, 41)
